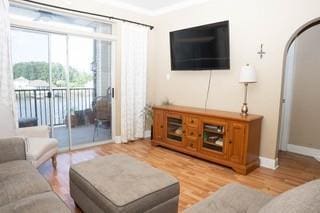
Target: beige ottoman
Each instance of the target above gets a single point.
(119, 183)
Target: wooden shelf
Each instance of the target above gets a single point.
(175, 134)
(212, 143)
(174, 123)
(213, 131)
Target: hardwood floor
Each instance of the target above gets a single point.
(198, 178)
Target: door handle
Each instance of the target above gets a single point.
(49, 95)
(112, 92)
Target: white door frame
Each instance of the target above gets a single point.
(286, 102)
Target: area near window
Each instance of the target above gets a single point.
(63, 76)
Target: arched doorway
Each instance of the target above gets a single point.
(301, 74)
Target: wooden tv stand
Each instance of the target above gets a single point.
(222, 137)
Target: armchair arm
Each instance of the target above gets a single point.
(37, 131)
(12, 149)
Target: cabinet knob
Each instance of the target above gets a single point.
(230, 142)
(191, 133)
(191, 145)
(161, 126)
(183, 131)
(192, 121)
(199, 135)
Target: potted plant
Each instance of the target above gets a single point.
(73, 119)
(147, 112)
(148, 118)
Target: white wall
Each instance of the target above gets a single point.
(252, 22)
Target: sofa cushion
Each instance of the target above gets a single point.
(302, 199)
(119, 183)
(12, 168)
(19, 179)
(12, 149)
(232, 198)
(47, 202)
(36, 147)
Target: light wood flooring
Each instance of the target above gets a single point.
(198, 178)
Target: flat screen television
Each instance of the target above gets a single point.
(201, 48)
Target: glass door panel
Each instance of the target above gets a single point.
(213, 137)
(58, 89)
(90, 90)
(174, 130)
(31, 77)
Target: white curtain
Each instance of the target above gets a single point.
(6, 76)
(134, 39)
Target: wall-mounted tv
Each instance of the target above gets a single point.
(201, 48)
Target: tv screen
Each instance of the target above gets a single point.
(201, 48)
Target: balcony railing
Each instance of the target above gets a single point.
(35, 103)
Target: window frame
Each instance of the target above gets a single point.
(47, 27)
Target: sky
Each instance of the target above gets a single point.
(30, 46)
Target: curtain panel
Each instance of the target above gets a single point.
(134, 39)
(6, 76)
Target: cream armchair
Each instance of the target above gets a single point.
(39, 146)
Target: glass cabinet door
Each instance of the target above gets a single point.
(174, 129)
(213, 137)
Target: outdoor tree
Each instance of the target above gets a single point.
(40, 71)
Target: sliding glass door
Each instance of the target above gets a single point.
(90, 90)
(64, 82)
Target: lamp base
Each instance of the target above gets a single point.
(244, 109)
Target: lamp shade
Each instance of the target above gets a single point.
(248, 74)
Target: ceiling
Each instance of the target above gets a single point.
(152, 7)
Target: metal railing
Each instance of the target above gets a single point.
(36, 103)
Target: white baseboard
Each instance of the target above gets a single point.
(269, 163)
(304, 151)
(147, 134)
(117, 139)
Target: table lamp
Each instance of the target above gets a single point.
(247, 76)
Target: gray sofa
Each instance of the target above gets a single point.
(236, 198)
(22, 188)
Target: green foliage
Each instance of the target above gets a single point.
(40, 71)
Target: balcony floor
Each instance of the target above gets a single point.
(81, 135)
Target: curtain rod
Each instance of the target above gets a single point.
(87, 13)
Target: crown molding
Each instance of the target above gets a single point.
(157, 12)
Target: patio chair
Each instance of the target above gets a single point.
(102, 111)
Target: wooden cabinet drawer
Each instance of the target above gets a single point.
(192, 144)
(192, 133)
(192, 121)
